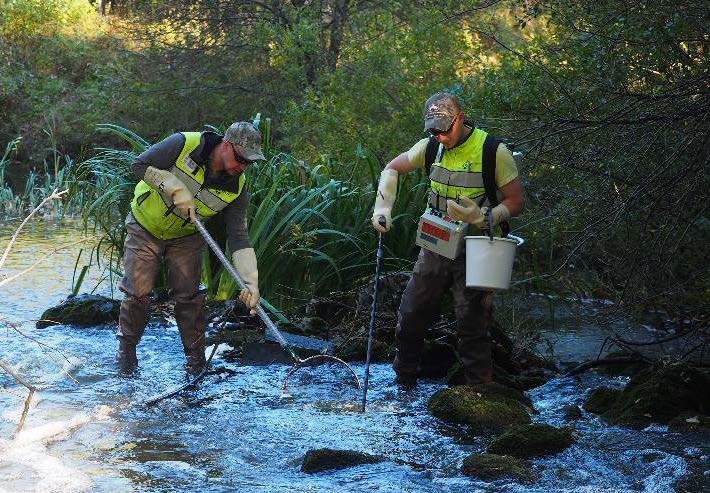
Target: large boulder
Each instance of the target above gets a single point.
(601, 399)
(490, 467)
(532, 440)
(325, 459)
(654, 395)
(486, 408)
(86, 310)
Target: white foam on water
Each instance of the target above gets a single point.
(29, 465)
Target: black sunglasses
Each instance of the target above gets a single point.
(238, 158)
(435, 132)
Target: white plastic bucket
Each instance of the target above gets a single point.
(489, 262)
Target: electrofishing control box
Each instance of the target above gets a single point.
(438, 233)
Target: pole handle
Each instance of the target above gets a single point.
(233, 272)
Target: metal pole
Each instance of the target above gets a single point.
(372, 314)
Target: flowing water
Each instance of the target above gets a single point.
(88, 432)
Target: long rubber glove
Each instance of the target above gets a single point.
(500, 213)
(244, 262)
(164, 180)
(386, 194)
(467, 211)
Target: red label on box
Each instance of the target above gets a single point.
(434, 231)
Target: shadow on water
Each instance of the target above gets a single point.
(237, 432)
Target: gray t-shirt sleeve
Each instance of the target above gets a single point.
(161, 155)
(235, 219)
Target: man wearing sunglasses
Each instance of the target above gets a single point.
(186, 175)
(456, 189)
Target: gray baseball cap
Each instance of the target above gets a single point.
(440, 111)
(248, 138)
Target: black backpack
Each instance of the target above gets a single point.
(490, 146)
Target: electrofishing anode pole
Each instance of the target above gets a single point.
(298, 362)
(382, 222)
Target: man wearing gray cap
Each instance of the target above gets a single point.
(186, 175)
(457, 190)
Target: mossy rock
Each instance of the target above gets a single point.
(657, 395)
(325, 459)
(601, 399)
(490, 467)
(532, 440)
(82, 311)
(485, 408)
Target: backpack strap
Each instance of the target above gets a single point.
(432, 148)
(490, 147)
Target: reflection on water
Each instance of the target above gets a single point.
(237, 432)
(51, 280)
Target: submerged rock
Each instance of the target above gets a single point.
(654, 395)
(572, 412)
(325, 459)
(532, 440)
(489, 467)
(485, 408)
(86, 310)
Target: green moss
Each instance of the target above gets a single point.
(489, 467)
(82, 311)
(486, 408)
(654, 395)
(532, 440)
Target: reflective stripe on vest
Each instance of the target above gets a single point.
(459, 173)
(154, 210)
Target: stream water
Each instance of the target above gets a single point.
(237, 432)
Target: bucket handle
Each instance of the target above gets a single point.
(518, 239)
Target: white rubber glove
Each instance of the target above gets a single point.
(386, 194)
(500, 214)
(244, 262)
(467, 211)
(164, 181)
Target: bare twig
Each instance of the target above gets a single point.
(54, 195)
(28, 400)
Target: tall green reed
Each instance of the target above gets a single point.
(10, 204)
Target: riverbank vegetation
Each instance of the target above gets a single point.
(608, 102)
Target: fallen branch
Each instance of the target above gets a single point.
(28, 386)
(582, 367)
